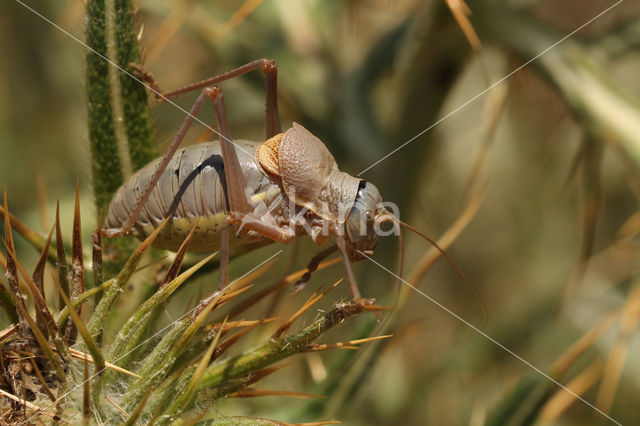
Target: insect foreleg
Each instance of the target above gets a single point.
(247, 222)
(342, 248)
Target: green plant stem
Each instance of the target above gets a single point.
(277, 350)
(105, 163)
(118, 113)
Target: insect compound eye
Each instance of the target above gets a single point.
(360, 223)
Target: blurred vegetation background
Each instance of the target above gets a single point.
(552, 248)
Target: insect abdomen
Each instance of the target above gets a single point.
(192, 188)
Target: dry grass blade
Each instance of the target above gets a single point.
(591, 158)
(12, 275)
(461, 12)
(233, 294)
(44, 317)
(77, 264)
(61, 264)
(255, 274)
(227, 343)
(6, 302)
(558, 403)
(495, 108)
(376, 308)
(238, 16)
(630, 227)
(81, 355)
(96, 253)
(315, 297)
(289, 279)
(250, 326)
(45, 321)
(166, 31)
(439, 249)
(34, 238)
(585, 342)
(426, 262)
(351, 344)
(133, 418)
(619, 352)
(8, 332)
(32, 406)
(174, 269)
(253, 392)
(230, 325)
(220, 298)
(116, 406)
(35, 331)
(38, 272)
(86, 336)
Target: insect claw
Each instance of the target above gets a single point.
(367, 304)
(140, 73)
(300, 284)
(364, 302)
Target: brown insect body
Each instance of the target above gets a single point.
(286, 186)
(192, 192)
(290, 172)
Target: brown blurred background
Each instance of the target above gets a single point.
(547, 249)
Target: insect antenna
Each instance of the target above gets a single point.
(389, 217)
(470, 287)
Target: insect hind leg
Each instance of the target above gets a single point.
(127, 226)
(269, 68)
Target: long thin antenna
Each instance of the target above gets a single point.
(470, 287)
(389, 217)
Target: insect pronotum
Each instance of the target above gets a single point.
(272, 190)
